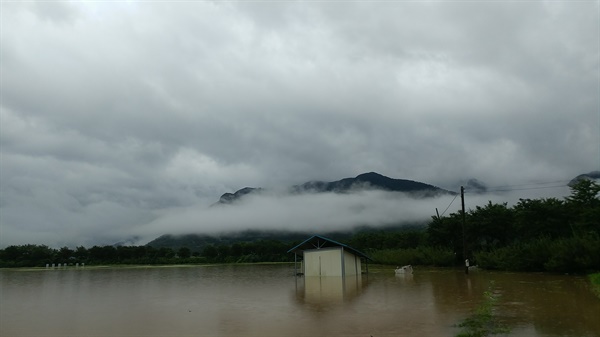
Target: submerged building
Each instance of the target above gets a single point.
(321, 256)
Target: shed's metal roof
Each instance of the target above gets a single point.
(317, 242)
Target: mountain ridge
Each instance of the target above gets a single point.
(347, 185)
(364, 181)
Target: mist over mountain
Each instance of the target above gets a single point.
(594, 175)
(475, 186)
(197, 242)
(367, 202)
(362, 182)
(338, 208)
(229, 198)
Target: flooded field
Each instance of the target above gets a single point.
(267, 300)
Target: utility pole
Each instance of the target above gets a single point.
(462, 202)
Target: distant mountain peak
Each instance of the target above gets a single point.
(370, 175)
(475, 186)
(229, 198)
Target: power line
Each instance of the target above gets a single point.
(534, 184)
(522, 187)
(449, 205)
(509, 188)
(525, 189)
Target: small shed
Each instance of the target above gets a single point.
(325, 257)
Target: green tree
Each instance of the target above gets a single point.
(103, 254)
(223, 251)
(585, 192)
(237, 249)
(184, 252)
(27, 255)
(489, 227)
(64, 254)
(210, 252)
(81, 253)
(165, 252)
(446, 232)
(11, 253)
(534, 218)
(584, 206)
(125, 253)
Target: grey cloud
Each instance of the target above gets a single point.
(150, 108)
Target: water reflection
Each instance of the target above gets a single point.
(259, 300)
(532, 304)
(408, 278)
(327, 290)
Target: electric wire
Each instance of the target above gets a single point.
(522, 187)
(517, 187)
(448, 206)
(526, 189)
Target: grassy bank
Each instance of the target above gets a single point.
(595, 282)
(483, 322)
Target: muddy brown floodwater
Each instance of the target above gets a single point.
(267, 300)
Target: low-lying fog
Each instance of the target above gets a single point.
(314, 212)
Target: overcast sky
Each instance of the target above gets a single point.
(129, 118)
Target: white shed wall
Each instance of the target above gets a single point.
(323, 262)
(352, 264)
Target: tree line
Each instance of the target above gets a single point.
(39, 255)
(547, 234)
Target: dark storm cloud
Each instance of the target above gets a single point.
(126, 115)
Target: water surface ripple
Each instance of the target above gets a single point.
(267, 300)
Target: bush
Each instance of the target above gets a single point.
(529, 256)
(574, 255)
(564, 255)
(595, 282)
